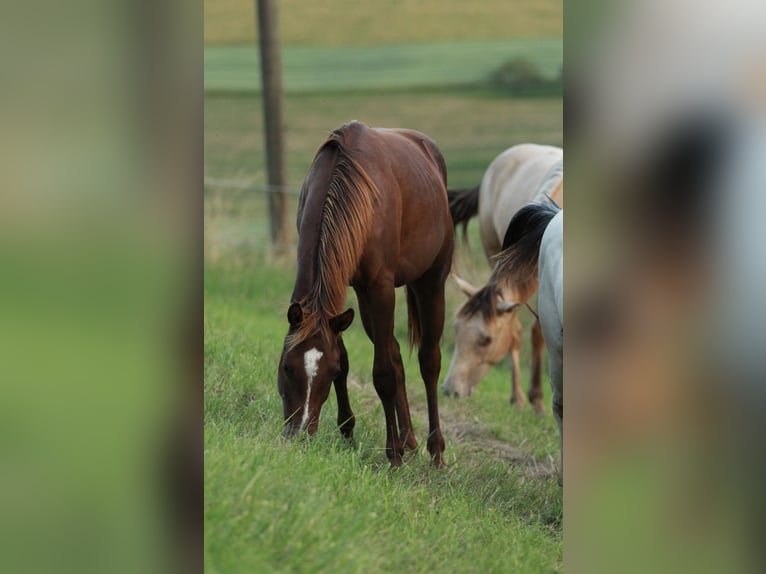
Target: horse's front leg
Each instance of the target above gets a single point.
(406, 432)
(377, 304)
(346, 419)
(536, 385)
(556, 366)
(517, 393)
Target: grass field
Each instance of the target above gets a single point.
(354, 23)
(326, 505)
(388, 67)
(470, 129)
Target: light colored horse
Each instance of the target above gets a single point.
(535, 255)
(486, 326)
(550, 310)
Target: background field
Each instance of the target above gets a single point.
(400, 66)
(355, 23)
(327, 505)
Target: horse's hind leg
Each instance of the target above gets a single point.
(429, 295)
(346, 418)
(536, 386)
(377, 305)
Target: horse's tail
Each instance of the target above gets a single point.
(521, 245)
(463, 205)
(413, 319)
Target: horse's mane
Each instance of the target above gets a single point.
(516, 265)
(345, 219)
(521, 245)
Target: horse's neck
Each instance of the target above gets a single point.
(307, 272)
(304, 283)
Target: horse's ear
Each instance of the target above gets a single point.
(342, 322)
(506, 306)
(295, 314)
(465, 286)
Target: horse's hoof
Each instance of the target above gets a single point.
(348, 437)
(409, 443)
(438, 461)
(538, 408)
(519, 403)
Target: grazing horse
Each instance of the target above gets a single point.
(486, 326)
(373, 214)
(535, 254)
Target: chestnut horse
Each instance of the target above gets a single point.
(373, 214)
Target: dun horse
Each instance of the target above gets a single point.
(373, 214)
(487, 327)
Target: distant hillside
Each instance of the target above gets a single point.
(359, 23)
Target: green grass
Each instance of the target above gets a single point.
(330, 506)
(389, 67)
(327, 505)
(354, 23)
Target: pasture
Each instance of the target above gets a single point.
(327, 505)
(273, 505)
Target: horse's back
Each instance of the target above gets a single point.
(515, 178)
(412, 223)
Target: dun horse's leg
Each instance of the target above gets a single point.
(517, 394)
(378, 306)
(536, 385)
(430, 298)
(346, 418)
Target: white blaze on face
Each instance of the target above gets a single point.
(311, 364)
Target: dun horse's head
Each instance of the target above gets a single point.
(308, 367)
(484, 331)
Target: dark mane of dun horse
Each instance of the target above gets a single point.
(516, 265)
(373, 214)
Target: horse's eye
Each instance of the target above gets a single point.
(484, 340)
(287, 369)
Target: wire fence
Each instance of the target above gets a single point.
(237, 226)
(218, 183)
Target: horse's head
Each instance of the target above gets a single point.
(307, 369)
(484, 331)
